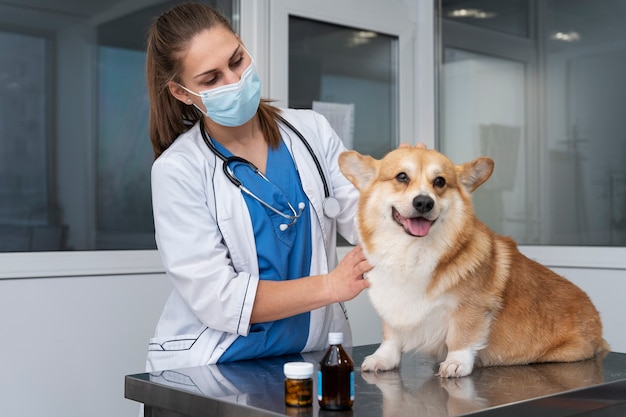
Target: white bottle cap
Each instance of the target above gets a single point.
(298, 370)
(335, 338)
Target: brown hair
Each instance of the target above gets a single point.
(168, 38)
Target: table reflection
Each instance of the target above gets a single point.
(484, 388)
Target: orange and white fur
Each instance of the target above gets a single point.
(446, 285)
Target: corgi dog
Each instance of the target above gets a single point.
(446, 285)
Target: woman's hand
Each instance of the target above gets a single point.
(279, 299)
(346, 281)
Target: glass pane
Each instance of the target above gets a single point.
(124, 210)
(482, 113)
(354, 68)
(506, 16)
(76, 175)
(25, 208)
(585, 124)
(551, 119)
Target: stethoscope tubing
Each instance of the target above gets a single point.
(331, 206)
(306, 143)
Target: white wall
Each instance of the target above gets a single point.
(67, 342)
(366, 325)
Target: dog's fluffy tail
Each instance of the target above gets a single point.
(604, 347)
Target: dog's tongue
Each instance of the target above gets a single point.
(417, 226)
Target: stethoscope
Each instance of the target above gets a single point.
(330, 205)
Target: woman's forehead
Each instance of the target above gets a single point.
(208, 50)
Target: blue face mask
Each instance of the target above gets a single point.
(233, 104)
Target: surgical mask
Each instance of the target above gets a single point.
(232, 104)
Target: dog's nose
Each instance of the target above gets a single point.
(423, 203)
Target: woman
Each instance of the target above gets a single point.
(253, 267)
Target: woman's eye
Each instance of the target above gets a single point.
(212, 81)
(237, 62)
(439, 182)
(402, 177)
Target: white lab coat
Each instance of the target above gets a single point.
(206, 242)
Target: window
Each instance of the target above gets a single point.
(28, 212)
(75, 155)
(544, 99)
(124, 153)
(349, 75)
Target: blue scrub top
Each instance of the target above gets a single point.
(282, 255)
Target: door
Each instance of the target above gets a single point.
(351, 61)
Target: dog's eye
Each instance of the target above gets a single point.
(402, 177)
(439, 182)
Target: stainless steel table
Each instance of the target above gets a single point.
(595, 387)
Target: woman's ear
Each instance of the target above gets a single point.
(179, 92)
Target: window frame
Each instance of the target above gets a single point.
(354, 14)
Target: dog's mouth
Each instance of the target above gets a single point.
(415, 226)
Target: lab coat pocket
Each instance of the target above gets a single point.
(177, 351)
(174, 343)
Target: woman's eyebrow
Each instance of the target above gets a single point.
(214, 70)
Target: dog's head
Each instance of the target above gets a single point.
(418, 190)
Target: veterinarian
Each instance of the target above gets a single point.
(247, 201)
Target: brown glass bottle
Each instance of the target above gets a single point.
(335, 379)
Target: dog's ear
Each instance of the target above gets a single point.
(473, 174)
(358, 169)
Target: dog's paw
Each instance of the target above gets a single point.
(454, 369)
(457, 364)
(378, 363)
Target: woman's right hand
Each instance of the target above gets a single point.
(276, 300)
(346, 281)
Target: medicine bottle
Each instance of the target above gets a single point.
(335, 379)
(298, 384)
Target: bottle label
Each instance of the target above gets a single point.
(352, 386)
(319, 385)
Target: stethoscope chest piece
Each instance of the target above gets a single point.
(331, 207)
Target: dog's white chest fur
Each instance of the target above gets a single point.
(418, 320)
